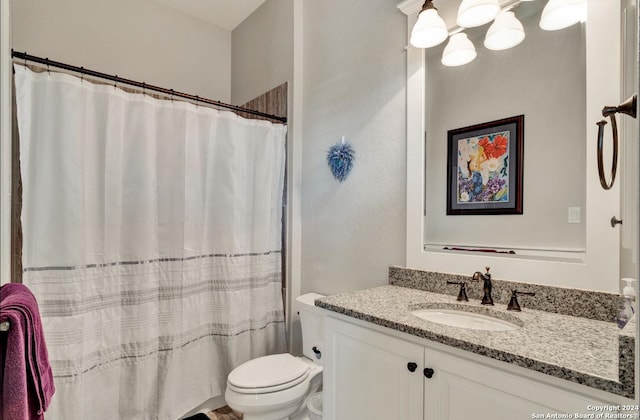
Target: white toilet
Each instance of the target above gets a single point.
(275, 387)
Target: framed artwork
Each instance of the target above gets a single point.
(484, 168)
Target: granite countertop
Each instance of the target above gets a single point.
(586, 351)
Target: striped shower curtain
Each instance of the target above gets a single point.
(152, 241)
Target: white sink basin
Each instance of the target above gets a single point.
(463, 319)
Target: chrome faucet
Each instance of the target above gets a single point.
(486, 278)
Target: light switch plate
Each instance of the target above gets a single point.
(573, 215)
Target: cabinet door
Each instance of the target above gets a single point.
(461, 390)
(367, 375)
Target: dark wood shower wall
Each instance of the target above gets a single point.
(16, 197)
(274, 102)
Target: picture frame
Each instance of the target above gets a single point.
(484, 168)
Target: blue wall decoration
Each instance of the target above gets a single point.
(340, 159)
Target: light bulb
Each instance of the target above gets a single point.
(429, 31)
(459, 51)
(559, 14)
(477, 12)
(505, 32)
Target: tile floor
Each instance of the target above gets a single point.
(223, 413)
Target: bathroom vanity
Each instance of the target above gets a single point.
(564, 356)
(381, 361)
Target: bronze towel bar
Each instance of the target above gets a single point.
(628, 107)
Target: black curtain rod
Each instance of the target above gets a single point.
(143, 86)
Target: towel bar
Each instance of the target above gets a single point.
(4, 326)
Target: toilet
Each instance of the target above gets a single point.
(275, 387)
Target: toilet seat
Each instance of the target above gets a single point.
(268, 374)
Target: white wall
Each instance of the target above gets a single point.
(354, 85)
(262, 51)
(140, 40)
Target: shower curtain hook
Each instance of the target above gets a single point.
(171, 97)
(197, 100)
(81, 74)
(144, 87)
(115, 82)
(48, 69)
(25, 58)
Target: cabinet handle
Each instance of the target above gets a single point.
(412, 366)
(428, 372)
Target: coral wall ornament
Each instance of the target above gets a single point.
(340, 158)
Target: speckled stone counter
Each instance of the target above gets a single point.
(581, 350)
(601, 306)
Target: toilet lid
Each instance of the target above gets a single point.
(268, 372)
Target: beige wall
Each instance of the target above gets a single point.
(136, 39)
(262, 51)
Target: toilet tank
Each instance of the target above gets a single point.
(311, 325)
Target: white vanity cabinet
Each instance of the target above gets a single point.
(367, 376)
(462, 389)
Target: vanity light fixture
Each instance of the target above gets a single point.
(459, 51)
(505, 32)
(430, 30)
(559, 14)
(474, 13)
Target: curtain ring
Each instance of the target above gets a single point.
(614, 160)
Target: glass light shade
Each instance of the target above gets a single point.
(505, 32)
(459, 51)
(429, 31)
(477, 12)
(559, 14)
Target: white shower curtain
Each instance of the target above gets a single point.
(152, 241)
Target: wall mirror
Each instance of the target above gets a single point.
(559, 81)
(542, 78)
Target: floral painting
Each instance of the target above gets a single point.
(485, 163)
(482, 169)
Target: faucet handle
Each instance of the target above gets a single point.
(477, 276)
(513, 303)
(462, 295)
